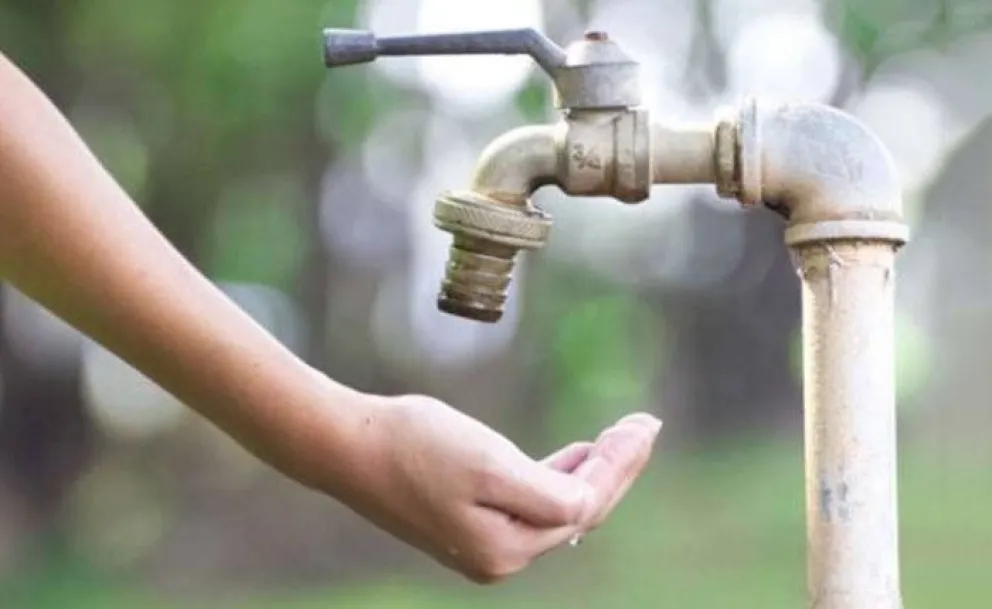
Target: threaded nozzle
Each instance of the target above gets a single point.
(477, 279)
(487, 233)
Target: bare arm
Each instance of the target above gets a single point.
(72, 239)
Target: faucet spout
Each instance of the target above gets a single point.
(494, 219)
(518, 163)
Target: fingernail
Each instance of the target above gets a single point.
(646, 420)
(641, 418)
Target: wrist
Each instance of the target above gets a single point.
(286, 413)
(318, 432)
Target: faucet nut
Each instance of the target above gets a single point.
(487, 233)
(727, 155)
(522, 226)
(749, 146)
(633, 177)
(738, 161)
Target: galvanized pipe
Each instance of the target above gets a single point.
(836, 184)
(850, 432)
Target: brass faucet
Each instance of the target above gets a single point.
(604, 145)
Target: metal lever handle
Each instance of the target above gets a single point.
(347, 47)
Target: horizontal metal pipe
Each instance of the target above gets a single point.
(683, 154)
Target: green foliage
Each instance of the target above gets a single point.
(18, 43)
(534, 99)
(140, 33)
(216, 90)
(605, 358)
(257, 235)
(254, 61)
(874, 31)
(350, 101)
(120, 147)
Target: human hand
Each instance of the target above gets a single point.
(459, 491)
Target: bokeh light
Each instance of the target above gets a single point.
(476, 84)
(785, 57)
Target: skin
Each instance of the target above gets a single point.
(73, 240)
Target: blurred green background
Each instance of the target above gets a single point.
(306, 194)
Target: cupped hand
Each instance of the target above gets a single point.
(470, 498)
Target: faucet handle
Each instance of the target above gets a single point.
(592, 73)
(346, 47)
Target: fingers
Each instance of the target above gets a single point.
(580, 483)
(508, 546)
(615, 462)
(569, 458)
(568, 493)
(542, 498)
(541, 541)
(537, 494)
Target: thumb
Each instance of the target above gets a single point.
(538, 495)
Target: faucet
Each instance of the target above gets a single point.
(820, 169)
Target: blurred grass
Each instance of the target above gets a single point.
(722, 528)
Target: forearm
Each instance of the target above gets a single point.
(72, 239)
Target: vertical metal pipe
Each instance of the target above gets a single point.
(850, 426)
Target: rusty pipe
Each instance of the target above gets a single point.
(836, 184)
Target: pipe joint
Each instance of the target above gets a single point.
(818, 167)
(607, 154)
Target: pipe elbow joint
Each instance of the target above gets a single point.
(819, 167)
